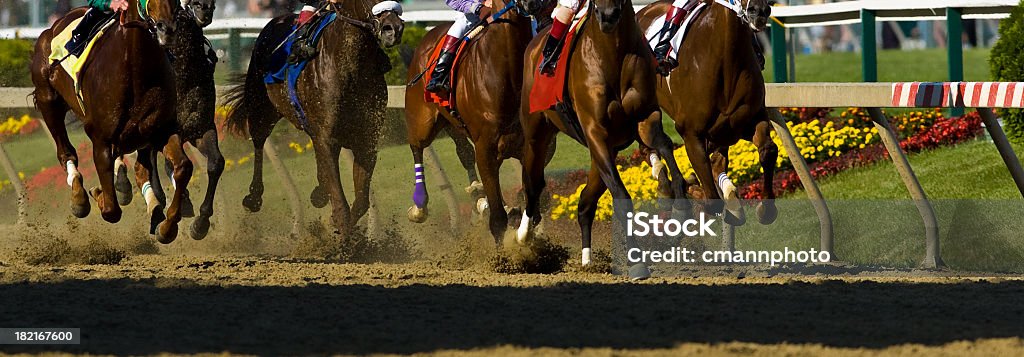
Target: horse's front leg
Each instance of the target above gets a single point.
(253, 202)
(144, 170)
(603, 158)
(104, 195)
(210, 148)
(54, 110)
(364, 160)
(538, 134)
(490, 164)
(720, 169)
(122, 185)
(327, 152)
(168, 229)
(698, 156)
(652, 134)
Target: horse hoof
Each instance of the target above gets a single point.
(417, 215)
(512, 213)
(166, 232)
(767, 213)
(123, 187)
(112, 216)
(475, 189)
(80, 210)
(735, 219)
(156, 218)
(639, 271)
(252, 203)
(482, 205)
(199, 228)
(187, 209)
(318, 198)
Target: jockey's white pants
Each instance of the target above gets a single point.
(462, 24)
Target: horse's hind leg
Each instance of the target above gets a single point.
(538, 135)
(167, 231)
(210, 148)
(653, 135)
(421, 135)
(363, 162)
(254, 200)
(720, 169)
(122, 185)
(54, 109)
(467, 156)
(187, 209)
(143, 174)
(105, 195)
(768, 156)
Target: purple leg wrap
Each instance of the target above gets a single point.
(419, 194)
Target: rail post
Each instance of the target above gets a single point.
(932, 257)
(955, 50)
(869, 48)
(19, 187)
(235, 50)
(446, 189)
(813, 192)
(779, 52)
(1005, 149)
(728, 237)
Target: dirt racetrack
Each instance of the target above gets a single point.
(154, 304)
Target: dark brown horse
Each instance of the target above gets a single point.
(611, 86)
(194, 64)
(716, 96)
(343, 94)
(128, 104)
(488, 79)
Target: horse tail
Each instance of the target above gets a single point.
(249, 102)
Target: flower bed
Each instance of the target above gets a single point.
(18, 126)
(829, 143)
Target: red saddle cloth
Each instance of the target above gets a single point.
(548, 91)
(446, 100)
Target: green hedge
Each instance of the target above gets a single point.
(1007, 65)
(401, 54)
(15, 56)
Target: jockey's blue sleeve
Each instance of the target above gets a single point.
(103, 5)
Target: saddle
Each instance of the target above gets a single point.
(446, 100)
(281, 70)
(72, 65)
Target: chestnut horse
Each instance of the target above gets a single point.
(128, 105)
(194, 64)
(488, 79)
(343, 94)
(716, 97)
(611, 86)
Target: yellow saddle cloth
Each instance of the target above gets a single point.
(73, 64)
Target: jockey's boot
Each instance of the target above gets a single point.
(673, 20)
(439, 78)
(80, 35)
(303, 48)
(552, 48)
(549, 56)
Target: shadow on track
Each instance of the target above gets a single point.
(178, 316)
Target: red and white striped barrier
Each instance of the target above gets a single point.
(958, 94)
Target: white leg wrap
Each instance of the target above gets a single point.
(656, 165)
(150, 196)
(728, 188)
(586, 256)
(72, 173)
(118, 163)
(481, 205)
(524, 229)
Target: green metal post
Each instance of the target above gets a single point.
(954, 37)
(779, 62)
(869, 49)
(235, 50)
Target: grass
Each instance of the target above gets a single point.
(928, 65)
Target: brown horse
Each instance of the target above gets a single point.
(716, 96)
(488, 79)
(611, 86)
(128, 104)
(343, 94)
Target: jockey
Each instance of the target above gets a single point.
(673, 20)
(470, 12)
(302, 49)
(562, 15)
(99, 10)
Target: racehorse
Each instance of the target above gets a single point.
(488, 79)
(127, 104)
(716, 96)
(343, 95)
(194, 64)
(611, 88)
